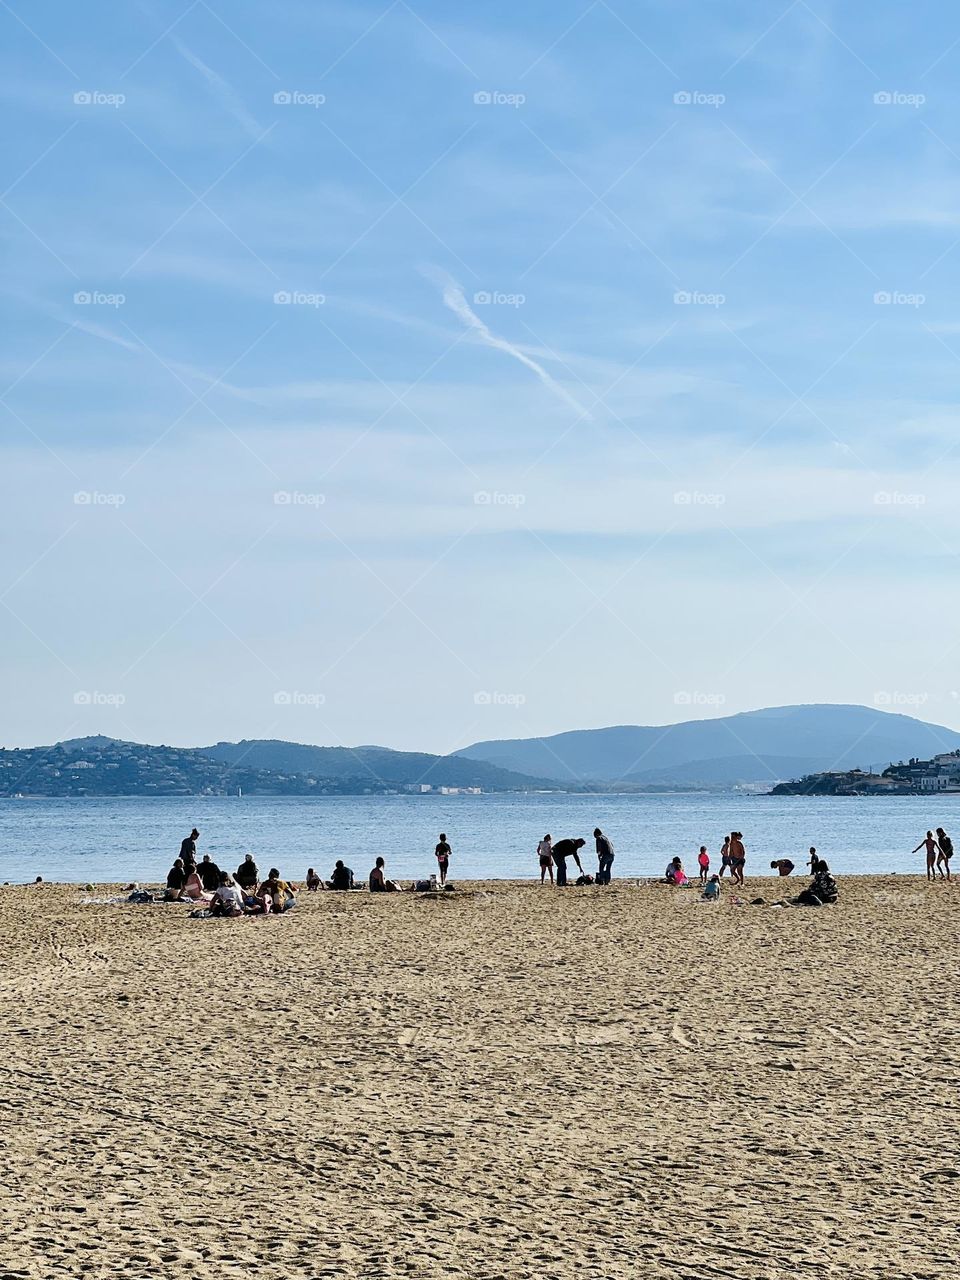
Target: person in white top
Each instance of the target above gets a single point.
(545, 853)
(227, 898)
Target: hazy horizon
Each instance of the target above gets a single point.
(392, 374)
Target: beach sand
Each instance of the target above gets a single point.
(511, 1082)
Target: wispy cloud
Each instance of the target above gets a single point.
(222, 91)
(453, 297)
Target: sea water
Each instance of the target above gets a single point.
(493, 836)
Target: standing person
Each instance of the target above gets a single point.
(563, 850)
(605, 856)
(946, 852)
(813, 860)
(703, 861)
(188, 848)
(443, 852)
(725, 856)
(738, 856)
(932, 849)
(545, 854)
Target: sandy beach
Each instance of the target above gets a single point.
(511, 1082)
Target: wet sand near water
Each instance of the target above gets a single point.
(508, 1082)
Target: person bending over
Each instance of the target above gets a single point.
(563, 850)
(783, 866)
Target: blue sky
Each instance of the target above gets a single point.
(423, 373)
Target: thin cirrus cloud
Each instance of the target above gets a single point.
(454, 299)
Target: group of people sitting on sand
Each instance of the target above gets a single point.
(222, 894)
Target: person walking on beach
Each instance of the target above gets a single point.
(703, 861)
(188, 848)
(605, 856)
(563, 850)
(930, 845)
(725, 856)
(443, 852)
(545, 854)
(738, 856)
(945, 854)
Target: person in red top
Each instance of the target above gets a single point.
(703, 859)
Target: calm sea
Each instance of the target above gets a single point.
(493, 836)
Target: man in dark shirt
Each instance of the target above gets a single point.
(188, 848)
(563, 850)
(248, 874)
(604, 856)
(209, 873)
(341, 877)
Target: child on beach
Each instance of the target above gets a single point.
(313, 880)
(703, 858)
(675, 873)
(545, 854)
(930, 845)
(725, 856)
(443, 852)
(711, 890)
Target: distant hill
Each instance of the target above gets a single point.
(753, 746)
(378, 764)
(101, 766)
